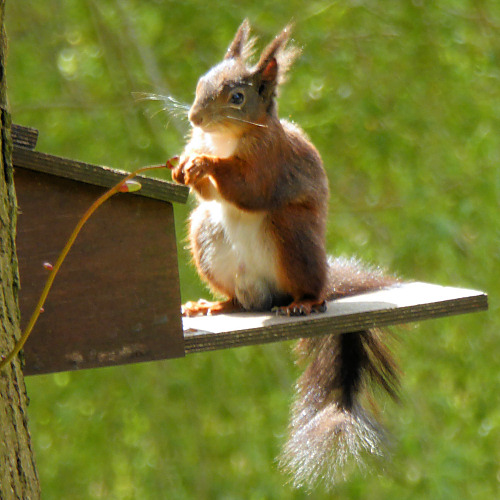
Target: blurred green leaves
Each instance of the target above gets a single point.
(403, 101)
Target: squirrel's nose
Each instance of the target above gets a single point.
(195, 117)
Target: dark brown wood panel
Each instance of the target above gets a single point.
(116, 299)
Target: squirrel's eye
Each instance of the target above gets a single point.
(237, 98)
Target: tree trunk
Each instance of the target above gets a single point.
(18, 477)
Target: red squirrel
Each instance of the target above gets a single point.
(257, 238)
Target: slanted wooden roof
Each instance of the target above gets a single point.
(24, 156)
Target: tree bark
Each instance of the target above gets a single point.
(18, 477)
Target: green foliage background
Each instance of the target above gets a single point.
(403, 101)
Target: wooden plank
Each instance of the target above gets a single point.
(94, 174)
(402, 304)
(25, 137)
(116, 299)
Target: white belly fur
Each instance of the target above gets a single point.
(249, 260)
(222, 144)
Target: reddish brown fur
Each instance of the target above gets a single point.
(303, 270)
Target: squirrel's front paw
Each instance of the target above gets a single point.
(178, 173)
(191, 169)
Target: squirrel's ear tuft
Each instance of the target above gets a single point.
(277, 58)
(241, 47)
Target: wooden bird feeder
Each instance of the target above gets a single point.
(116, 299)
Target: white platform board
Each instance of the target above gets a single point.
(396, 305)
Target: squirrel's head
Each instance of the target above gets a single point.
(236, 96)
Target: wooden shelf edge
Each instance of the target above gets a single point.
(25, 137)
(398, 305)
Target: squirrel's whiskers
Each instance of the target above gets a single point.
(171, 105)
(246, 121)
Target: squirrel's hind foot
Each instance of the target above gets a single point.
(203, 307)
(301, 308)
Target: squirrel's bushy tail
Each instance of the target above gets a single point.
(329, 426)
